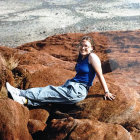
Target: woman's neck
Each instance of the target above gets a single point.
(84, 56)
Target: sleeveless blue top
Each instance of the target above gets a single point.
(85, 73)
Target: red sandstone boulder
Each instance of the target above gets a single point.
(86, 129)
(5, 72)
(60, 129)
(39, 114)
(40, 76)
(94, 130)
(43, 58)
(35, 126)
(37, 119)
(13, 121)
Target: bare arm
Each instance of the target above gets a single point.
(96, 63)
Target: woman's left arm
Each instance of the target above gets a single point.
(96, 63)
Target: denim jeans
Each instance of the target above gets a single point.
(69, 93)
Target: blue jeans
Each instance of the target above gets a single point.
(69, 93)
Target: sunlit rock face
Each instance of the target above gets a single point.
(13, 121)
(51, 62)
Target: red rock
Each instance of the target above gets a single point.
(135, 133)
(94, 130)
(5, 73)
(36, 126)
(85, 129)
(51, 61)
(30, 76)
(59, 129)
(13, 121)
(39, 114)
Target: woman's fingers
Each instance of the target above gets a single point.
(109, 96)
(113, 96)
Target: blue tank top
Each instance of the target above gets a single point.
(85, 73)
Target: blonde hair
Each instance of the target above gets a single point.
(90, 39)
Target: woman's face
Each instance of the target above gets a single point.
(85, 47)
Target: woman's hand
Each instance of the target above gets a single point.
(109, 96)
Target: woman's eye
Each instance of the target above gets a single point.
(85, 46)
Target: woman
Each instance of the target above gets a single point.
(75, 89)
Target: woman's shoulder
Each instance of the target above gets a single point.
(94, 58)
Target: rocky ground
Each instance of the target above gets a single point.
(52, 61)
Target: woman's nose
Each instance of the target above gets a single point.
(83, 47)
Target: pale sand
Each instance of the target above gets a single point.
(26, 21)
